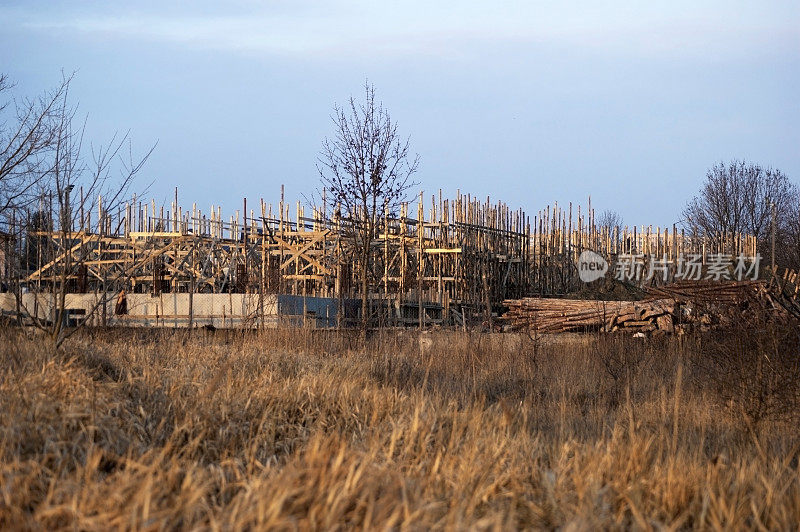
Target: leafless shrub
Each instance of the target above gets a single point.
(623, 358)
(756, 375)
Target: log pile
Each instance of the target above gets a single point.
(710, 292)
(562, 315)
(673, 308)
(732, 303)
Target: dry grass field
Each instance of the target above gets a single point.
(296, 429)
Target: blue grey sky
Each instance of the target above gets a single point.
(528, 102)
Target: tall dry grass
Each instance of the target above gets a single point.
(297, 429)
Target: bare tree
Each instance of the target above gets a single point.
(77, 179)
(366, 169)
(739, 197)
(789, 251)
(609, 219)
(28, 134)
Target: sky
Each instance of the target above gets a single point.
(526, 102)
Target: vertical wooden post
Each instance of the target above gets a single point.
(386, 255)
(281, 245)
(420, 270)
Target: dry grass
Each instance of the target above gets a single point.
(294, 430)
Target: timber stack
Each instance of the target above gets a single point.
(679, 307)
(563, 315)
(733, 303)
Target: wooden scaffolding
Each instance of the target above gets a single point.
(465, 252)
(439, 257)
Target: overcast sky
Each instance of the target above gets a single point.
(528, 102)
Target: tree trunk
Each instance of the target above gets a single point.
(364, 286)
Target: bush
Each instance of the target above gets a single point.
(755, 375)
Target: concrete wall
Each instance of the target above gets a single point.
(41, 305)
(218, 310)
(165, 310)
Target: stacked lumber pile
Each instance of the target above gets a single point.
(726, 304)
(725, 292)
(562, 315)
(672, 308)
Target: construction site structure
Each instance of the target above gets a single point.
(433, 261)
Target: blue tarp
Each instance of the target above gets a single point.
(323, 309)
